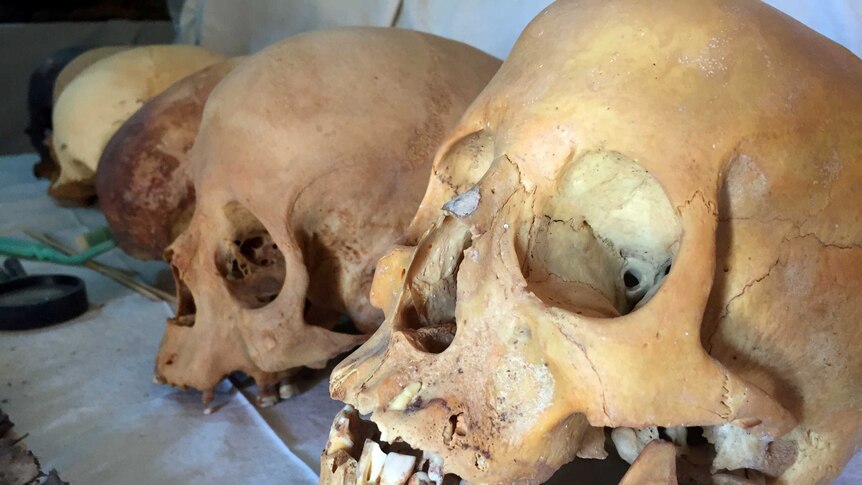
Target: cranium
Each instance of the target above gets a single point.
(80, 63)
(143, 183)
(649, 223)
(46, 83)
(93, 105)
(311, 158)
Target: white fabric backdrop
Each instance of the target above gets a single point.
(491, 25)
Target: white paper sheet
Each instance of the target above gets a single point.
(83, 390)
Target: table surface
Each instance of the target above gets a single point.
(83, 390)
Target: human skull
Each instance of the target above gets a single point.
(144, 184)
(650, 223)
(311, 159)
(46, 83)
(105, 94)
(80, 63)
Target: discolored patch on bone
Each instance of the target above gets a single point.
(463, 204)
(738, 449)
(524, 390)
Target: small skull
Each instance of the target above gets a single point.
(46, 83)
(93, 105)
(650, 224)
(310, 161)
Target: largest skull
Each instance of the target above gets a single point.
(312, 156)
(650, 219)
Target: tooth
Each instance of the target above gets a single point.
(396, 469)
(435, 466)
(630, 441)
(400, 402)
(370, 464)
(267, 396)
(337, 443)
(421, 478)
(287, 390)
(626, 442)
(339, 433)
(679, 435)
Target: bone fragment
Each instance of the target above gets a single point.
(463, 204)
(287, 390)
(736, 449)
(593, 444)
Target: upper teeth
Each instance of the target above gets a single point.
(378, 468)
(370, 464)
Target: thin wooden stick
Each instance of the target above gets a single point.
(115, 274)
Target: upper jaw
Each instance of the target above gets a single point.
(355, 454)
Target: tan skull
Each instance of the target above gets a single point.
(650, 222)
(311, 159)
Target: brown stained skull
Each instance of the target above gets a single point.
(311, 159)
(650, 223)
(144, 184)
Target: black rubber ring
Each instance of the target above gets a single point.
(41, 300)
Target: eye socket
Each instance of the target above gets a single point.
(602, 240)
(250, 263)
